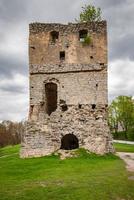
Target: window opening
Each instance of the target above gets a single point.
(51, 97)
(82, 35)
(62, 55)
(54, 36)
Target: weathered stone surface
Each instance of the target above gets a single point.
(65, 68)
(78, 88)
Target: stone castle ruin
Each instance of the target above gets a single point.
(68, 89)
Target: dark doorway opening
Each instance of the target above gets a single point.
(69, 142)
(54, 36)
(51, 97)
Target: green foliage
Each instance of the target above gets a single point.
(130, 134)
(120, 135)
(121, 114)
(87, 40)
(123, 135)
(124, 147)
(87, 177)
(113, 117)
(90, 14)
(9, 150)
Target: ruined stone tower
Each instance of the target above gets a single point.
(68, 89)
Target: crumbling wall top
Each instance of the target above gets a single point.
(36, 27)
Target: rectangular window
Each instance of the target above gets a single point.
(62, 55)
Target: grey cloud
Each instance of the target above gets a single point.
(14, 107)
(110, 4)
(13, 11)
(36, 10)
(9, 66)
(121, 80)
(13, 89)
(122, 47)
(119, 91)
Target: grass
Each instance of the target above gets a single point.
(9, 150)
(124, 147)
(87, 177)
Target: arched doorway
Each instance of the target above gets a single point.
(51, 97)
(69, 141)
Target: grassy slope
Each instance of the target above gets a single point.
(124, 147)
(88, 177)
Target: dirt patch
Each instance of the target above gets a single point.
(129, 160)
(131, 178)
(51, 183)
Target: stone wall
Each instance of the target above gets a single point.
(87, 124)
(73, 88)
(43, 51)
(65, 68)
(36, 28)
(81, 82)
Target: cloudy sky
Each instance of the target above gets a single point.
(15, 15)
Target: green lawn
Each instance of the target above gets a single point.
(124, 147)
(87, 177)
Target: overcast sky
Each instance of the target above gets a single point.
(15, 15)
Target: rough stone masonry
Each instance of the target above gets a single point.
(68, 89)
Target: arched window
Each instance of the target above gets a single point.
(69, 142)
(54, 35)
(51, 97)
(82, 35)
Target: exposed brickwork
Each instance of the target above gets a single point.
(81, 82)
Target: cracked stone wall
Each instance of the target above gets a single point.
(81, 80)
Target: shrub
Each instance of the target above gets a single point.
(130, 135)
(87, 40)
(120, 135)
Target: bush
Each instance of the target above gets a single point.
(87, 40)
(120, 135)
(130, 135)
(123, 135)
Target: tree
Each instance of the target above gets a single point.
(121, 113)
(10, 132)
(113, 117)
(90, 14)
